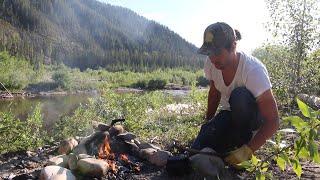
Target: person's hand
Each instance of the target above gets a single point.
(239, 155)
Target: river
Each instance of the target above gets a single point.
(52, 107)
(55, 106)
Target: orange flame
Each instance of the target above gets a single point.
(105, 150)
(106, 153)
(124, 158)
(112, 166)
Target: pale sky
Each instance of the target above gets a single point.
(189, 18)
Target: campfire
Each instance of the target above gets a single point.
(111, 158)
(110, 152)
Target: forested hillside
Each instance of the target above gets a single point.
(90, 34)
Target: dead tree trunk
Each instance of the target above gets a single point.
(9, 93)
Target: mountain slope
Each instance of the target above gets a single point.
(90, 34)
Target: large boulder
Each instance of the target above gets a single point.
(74, 158)
(80, 149)
(61, 160)
(67, 145)
(146, 153)
(92, 167)
(55, 173)
(90, 144)
(208, 165)
(159, 158)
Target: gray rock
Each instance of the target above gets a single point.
(84, 156)
(73, 161)
(55, 173)
(146, 153)
(147, 145)
(103, 127)
(159, 158)
(207, 165)
(31, 154)
(119, 146)
(35, 159)
(134, 149)
(80, 149)
(89, 145)
(126, 136)
(92, 167)
(67, 145)
(99, 126)
(115, 130)
(61, 160)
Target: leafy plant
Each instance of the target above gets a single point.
(15, 73)
(18, 135)
(156, 84)
(284, 153)
(62, 78)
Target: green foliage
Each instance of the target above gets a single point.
(18, 135)
(148, 115)
(15, 73)
(143, 84)
(277, 60)
(156, 84)
(286, 153)
(152, 84)
(62, 78)
(202, 81)
(80, 124)
(295, 23)
(19, 74)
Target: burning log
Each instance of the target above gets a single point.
(124, 158)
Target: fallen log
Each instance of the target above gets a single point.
(8, 95)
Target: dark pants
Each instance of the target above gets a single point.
(231, 129)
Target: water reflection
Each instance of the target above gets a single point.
(52, 107)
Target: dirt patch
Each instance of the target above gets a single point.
(27, 165)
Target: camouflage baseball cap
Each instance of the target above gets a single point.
(216, 37)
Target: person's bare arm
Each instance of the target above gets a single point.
(269, 111)
(214, 97)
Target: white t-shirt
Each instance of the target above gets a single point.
(251, 73)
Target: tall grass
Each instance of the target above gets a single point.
(152, 115)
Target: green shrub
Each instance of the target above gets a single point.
(140, 84)
(80, 124)
(15, 73)
(157, 84)
(62, 78)
(289, 152)
(18, 135)
(145, 115)
(202, 81)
